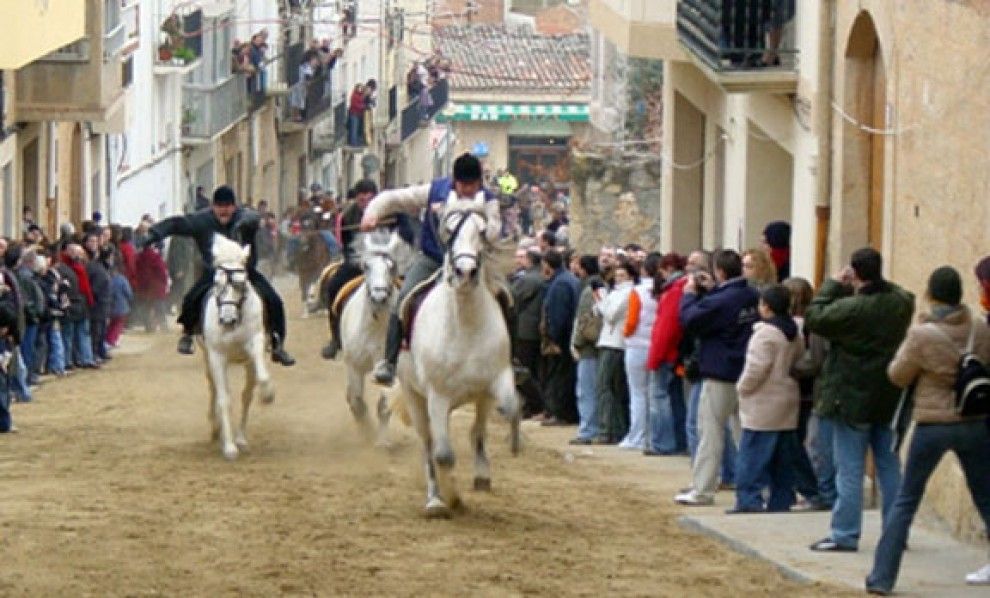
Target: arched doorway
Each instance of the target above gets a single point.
(864, 100)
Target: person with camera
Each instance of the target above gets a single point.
(723, 321)
(929, 359)
(865, 318)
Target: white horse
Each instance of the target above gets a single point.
(364, 322)
(233, 333)
(459, 354)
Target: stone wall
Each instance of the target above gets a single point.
(614, 200)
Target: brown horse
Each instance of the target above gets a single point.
(313, 256)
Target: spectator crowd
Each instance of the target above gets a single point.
(65, 303)
(774, 391)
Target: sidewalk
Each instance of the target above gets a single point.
(935, 565)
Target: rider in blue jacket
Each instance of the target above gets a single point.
(428, 199)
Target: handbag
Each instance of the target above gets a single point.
(902, 417)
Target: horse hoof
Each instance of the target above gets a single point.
(242, 445)
(230, 453)
(268, 398)
(444, 457)
(436, 509)
(482, 485)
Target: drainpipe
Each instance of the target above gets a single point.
(823, 123)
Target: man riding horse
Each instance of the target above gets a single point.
(350, 220)
(430, 199)
(239, 224)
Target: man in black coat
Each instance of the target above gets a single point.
(528, 289)
(239, 224)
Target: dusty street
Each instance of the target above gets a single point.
(112, 488)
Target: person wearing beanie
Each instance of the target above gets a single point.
(769, 401)
(429, 199)
(777, 240)
(239, 224)
(929, 359)
(983, 277)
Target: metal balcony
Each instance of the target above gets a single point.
(414, 115)
(209, 110)
(315, 93)
(727, 40)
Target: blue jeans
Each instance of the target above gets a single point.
(691, 429)
(56, 350)
(19, 377)
(971, 443)
(587, 397)
(6, 422)
(78, 344)
(849, 444)
(355, 133)
(662, 436)
(821, 431)
(28, 341)
(765, 459)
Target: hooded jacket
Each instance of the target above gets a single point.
(769, 398)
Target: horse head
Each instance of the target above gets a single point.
(462, 229)
(230, 283)
(378, 262)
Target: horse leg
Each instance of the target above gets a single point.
(504, 390)
(214, 421)
(355, 399)
(416, 408)
(260, 371)
(250, 379)
(218, 369)
(384, 415)
(438, 408)
(482, 468)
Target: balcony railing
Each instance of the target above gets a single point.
(340, 121)
(209, 110)
(308, 99)
(415, 115)
(114, 41)
(733, 35)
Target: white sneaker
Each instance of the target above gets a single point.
(979, 578)
(694, 500)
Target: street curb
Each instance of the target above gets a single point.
(691, 524)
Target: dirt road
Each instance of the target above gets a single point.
(112, 488)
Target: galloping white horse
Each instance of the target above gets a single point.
(233, 333)
(364, 322)
(459, 354)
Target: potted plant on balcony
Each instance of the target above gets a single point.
(184, 54)
(188, 118)
(164, 53)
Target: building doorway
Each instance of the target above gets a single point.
(863, 153)
(688, 183)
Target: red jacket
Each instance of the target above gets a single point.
(129, 259)
(667, 331)
(152, 275)
(80, 271)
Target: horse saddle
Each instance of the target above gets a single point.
(328, 272)
(345, 293)
(410, 306)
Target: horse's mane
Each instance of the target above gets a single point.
(226, 251)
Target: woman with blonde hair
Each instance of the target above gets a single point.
(758, 268)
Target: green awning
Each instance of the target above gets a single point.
(514, 112)
(539, 128)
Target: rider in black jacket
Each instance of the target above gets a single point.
(240, 224)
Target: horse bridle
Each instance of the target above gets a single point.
(449, 245)
(236, 278)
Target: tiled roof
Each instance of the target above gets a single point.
(490, 57)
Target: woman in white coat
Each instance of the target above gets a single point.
(638, 331)
(613, 393)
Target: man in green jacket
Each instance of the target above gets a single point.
(865, 318)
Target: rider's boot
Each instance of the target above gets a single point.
(279, 354)
(332, 347)
(185, 344)
(384, 372)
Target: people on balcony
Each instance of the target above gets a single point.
(355, 116)
(752, 31)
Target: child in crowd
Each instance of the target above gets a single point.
(768, 407)
(122, 297)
